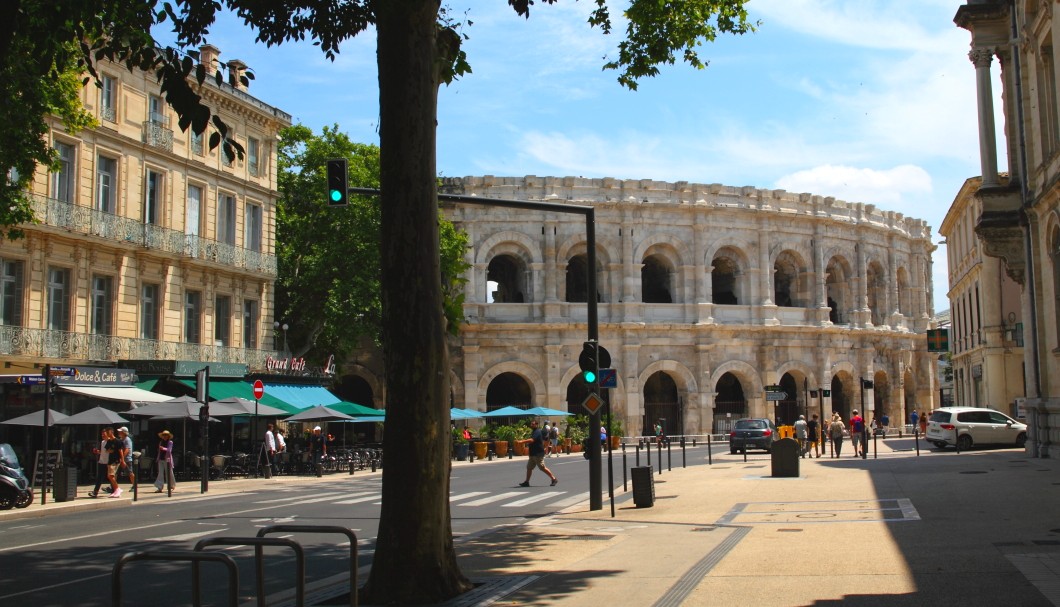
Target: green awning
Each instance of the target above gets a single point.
(148, 384)
(356, 410)
(226, 389)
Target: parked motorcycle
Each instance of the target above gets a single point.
(14, 486)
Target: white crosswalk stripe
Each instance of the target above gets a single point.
(301, 497)
(358, 500)
(493, 498)
(532, 499)
(465, 496)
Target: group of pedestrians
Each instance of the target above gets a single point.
(113, 455)
(813, 435)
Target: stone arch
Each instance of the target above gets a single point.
(843, 385)
(839, 289)
(881, 390)
(348, 388)
(746, 373)
(876, 292)
(675, 250)
(527, 372)
(572, 257)
(792, 281)
(673, 408)
(510, 242)
(801, 370)
(905, 292)
(730, 283)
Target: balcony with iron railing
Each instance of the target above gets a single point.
(44, 344)
(85, 220)
(158, 134)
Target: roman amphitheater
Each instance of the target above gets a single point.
(707, 295)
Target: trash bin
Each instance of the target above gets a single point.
(643, 486)
(65, 484)
(784, 457)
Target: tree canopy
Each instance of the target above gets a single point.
(327, 288)
(418, 49)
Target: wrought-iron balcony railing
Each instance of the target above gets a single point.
(158, 135)
(65, 345)
(108, 113)
(85, 220)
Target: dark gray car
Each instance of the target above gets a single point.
(752, 433)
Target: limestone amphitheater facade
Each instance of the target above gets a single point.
(707, 294)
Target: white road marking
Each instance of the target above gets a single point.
(185, 536)
(358, 500)
(493, 498)
(532, 499)
(299, 497)
(464, 496)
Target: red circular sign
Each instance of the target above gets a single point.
(259, 389)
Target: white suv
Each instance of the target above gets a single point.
(967, 426)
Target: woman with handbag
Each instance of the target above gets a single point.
(165, 462)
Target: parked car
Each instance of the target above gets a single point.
(752, 433)
(967, 426)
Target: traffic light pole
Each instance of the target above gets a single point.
(595, 475)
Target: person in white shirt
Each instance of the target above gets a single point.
(270, 447)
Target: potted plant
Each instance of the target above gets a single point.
(615, 432)
(502, 438)
(459, 445)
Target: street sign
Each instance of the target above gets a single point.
(31, 380)
(774, 388)
(608, 378)
(592, 402)
(259, 389)
(775, 396)
(63, 371)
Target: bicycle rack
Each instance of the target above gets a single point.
(178, 555)
(323, 529)
(259, 562)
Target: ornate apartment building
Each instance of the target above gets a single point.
(1018, 211)
(707, 294)
(986, 328)
(149, 246)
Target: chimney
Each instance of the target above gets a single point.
(208, 55)
(236, 68)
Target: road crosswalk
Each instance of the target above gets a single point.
(551, 499)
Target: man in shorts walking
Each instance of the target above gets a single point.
(537, 455)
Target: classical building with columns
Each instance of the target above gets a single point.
(1018, 211)
(706, 295)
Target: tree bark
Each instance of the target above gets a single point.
(415, 561)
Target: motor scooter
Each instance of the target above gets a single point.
(14, 486)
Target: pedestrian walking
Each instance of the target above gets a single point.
(553, 437)
(857, 427)
(165, 462)
(835, 431)
(813, 431)
(537, 455)
(914, 420)
(102, 459)
(801, 430)
(126, 450)
(318, 448)
(270, 448)
(547, 432)
(923, 424)
(113, 463)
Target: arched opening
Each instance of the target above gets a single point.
(508, 389)
(881, 387)
(506, 280)
(655, 280)
(662, 405)
(905, 295)
(909, 391)
(876, 289)
(844, 399)
(837, 288)
(729, 403)
(725, 287)
(787, 411)
(577, 391)
(791, 284)
(578, 279)
(356, 389)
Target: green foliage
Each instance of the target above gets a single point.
(458, 436)
(615, 427)
(329, 284)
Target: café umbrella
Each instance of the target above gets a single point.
(96, 416)
(35, 419)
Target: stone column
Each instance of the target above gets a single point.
(552, 264)
(981, 58)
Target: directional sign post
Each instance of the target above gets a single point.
(592, 403)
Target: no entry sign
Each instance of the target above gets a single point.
(259, 389)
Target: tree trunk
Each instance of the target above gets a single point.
(415, 534)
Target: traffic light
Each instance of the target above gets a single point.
(338, 187)
(588, 363)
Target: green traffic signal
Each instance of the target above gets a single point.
(336, 196)
(338, 178)
(589, 377)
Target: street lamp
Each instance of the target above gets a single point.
(276, 325)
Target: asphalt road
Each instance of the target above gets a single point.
(68, 560)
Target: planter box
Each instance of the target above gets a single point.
(522, 447)
(460, 452)
(481, 449)
(500, 448)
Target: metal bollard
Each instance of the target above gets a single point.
(624, 487)
(916, 440)
(874, 454)
(684, 457)
(710, 452)
(637, 464)
(669, 457)
(659, 453)
(511, 450)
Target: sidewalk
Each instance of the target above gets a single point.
(975, 528)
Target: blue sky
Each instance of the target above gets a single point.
(865, 100)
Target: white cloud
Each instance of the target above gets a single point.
(885, 188)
